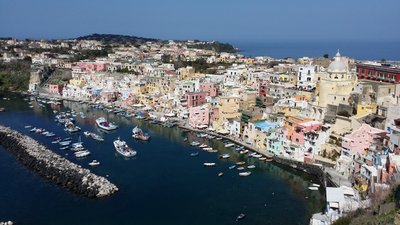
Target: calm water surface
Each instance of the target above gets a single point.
(161, 185)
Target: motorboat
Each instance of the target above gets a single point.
(105, 125)
(229, 145)
(313, 188)
(87, 133)
(94, 163)
(137, 133)
(245, 174)
(220, 174)
(81, 154)
(122, 148)
(195, 143)
(208, 164)
(225, 156)
(208, 149)
(241, 216)
(240, 168)
(96, 137)
(194, 154)
(240, 163)
(232, 167)
(64, 143)
(251, 166)
(203, 146)
(71, 127)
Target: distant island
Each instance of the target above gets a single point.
(134, 40)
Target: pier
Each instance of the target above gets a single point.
(53, 167)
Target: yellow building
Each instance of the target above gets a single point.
(365, 109)
(77, 83)
(336, 85)
(228, 108)
(186, 73)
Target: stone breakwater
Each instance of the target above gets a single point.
(51, 166)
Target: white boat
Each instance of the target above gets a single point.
(203, 146)
(313, 188)
(28, 126)
(82, 153)
(122, 148)
(251, 166)
(64, 143)
(104, 124)
(96, 137)
(195, 143)
(229, 145)
(94, 163)
(137, 133)
(87, 133)
(70, 127)
(240, 168)
(316, 185)
(208, 149)
(208, 164)
(225, 156)
(245, 174)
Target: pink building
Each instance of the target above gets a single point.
(199, 116)
(209, 88)
(361, 139)
(93, 66)
(56, 89)
(195, 98)
(305, 130)
(262, 88)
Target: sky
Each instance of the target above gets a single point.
(224, 20)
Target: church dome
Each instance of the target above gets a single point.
(337, 66)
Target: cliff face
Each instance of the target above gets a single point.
(53, 167)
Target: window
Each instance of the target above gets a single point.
(344, 99)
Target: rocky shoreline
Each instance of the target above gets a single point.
(51, 166)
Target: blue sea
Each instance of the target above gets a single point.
(161, 185)
(389, 50)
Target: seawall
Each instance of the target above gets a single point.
(53, 167)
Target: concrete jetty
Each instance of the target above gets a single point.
(53, 167)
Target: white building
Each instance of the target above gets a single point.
(306, 77)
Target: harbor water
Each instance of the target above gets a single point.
(163, 184)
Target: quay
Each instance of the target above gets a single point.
(53, 167)
(325, 175)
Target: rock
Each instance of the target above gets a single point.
(53, 167)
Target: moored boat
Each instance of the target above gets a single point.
(208, 164)
(96, 137)
(240, 217)
(194, 154)
(137, 133)
(94, 163)
(195, 143)
(245, 174)
(105, 125)
(122, 148)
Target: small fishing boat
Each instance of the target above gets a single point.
(185, 139)
(28, 126)
(137, 133)
(245, 174)
(194, 154)
(96, 137)
(105, 125)
(251, 166)
(240, 168)
(208, 149)
(195, 143)
(203, 146)
(232, 167)
(240, 163)
(63, 148)
(64, 143)
(313, 188)
(220, 174)
(122, 148)
(229, 145)
(316, 185)
(207, 164)
(225, 156)
(87, 133)
(81, 154)
(241, 216)
(94, 163)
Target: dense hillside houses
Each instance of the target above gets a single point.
(341, 113)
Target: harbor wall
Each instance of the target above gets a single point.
(53, 167)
